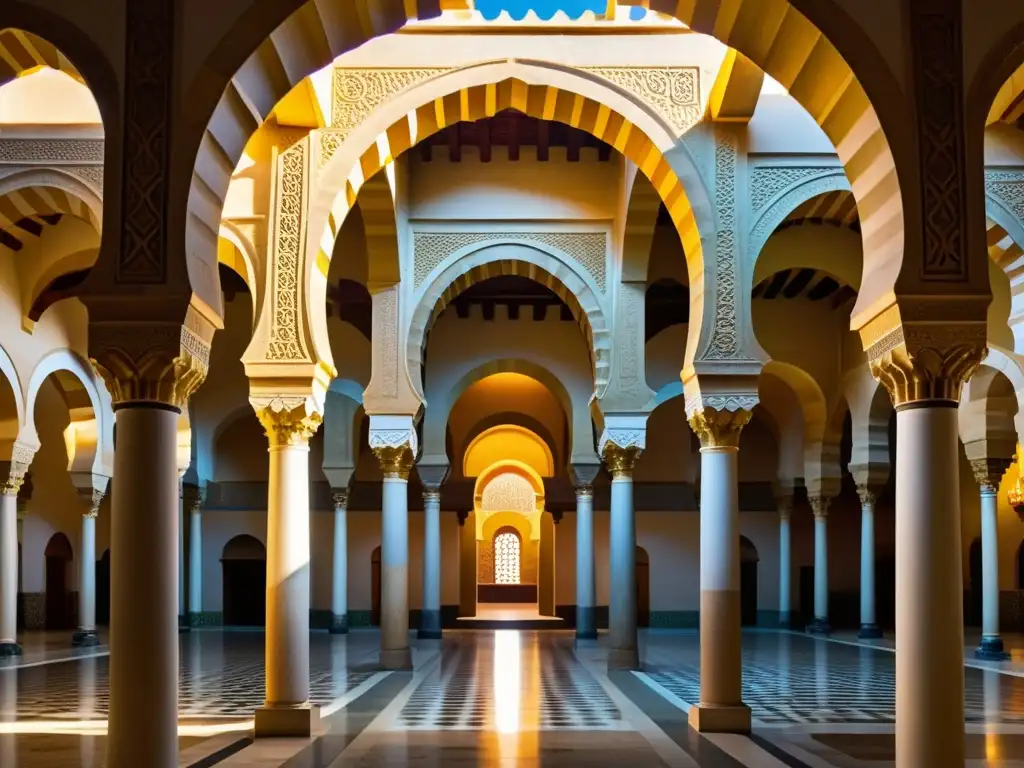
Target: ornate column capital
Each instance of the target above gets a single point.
(14, 471)
(584, 491)
(91, 498)
(866, 494)
(395, 460)
(340, 498)
(718, 429)
(432, 495)
(621, 460)
(287, 420)
(622, 442)
(393, 441)
(988, 472)
(192, 497)
(819, 506)
(162, 363)
(785, 506)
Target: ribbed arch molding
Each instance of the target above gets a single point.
(22, 52)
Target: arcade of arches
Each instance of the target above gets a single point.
(464, 363)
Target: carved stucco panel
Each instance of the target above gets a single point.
(289, 224)
(588, 249)
(509, 492)
(767, 182)
(51, 151)
(672, 92)
(786, 197)
(725, 336)
(385, 335)
(1007, 187)
(358, 92)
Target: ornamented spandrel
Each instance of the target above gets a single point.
(358, 92)
(142, 259)
(671, 92)
(719, 428)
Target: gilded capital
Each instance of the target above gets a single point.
(15, 471)
(584, 491)
(395, 460)
(819, 506)
(431, 495)
(621, 459)
(719, 429)
(286, 424)
(340, 498)
(865, 494)
(989, 472)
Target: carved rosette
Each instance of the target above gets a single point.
(340, 498)
(719, 429)
(989, 472)
(819, 507)
(395, 460)
(16, 470)
(621, 459)
(866, 495)
(288, 424)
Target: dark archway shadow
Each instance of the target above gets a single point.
(375, 587)
(103, 590)
(59, 556)
(244, 587)
(643, 588)
(748, 582)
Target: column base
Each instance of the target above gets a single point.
(85, 638)
(623, 658)
(398, 659)
(869, 632)
(339, 624)
(819, 627)
(430, 625)
(586, 622)
(283, 721)
(707, 718)
(991, 649)
(9, 649)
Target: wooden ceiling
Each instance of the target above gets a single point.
(810, 284)
(512, 131)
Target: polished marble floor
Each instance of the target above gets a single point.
(508, 697)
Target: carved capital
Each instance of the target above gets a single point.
(192, 497)
(719, 429)
(621, 460)
(287, 422)
(340, 498)
(989, 472)
(584, 491)
(866, 495)
(785, 506)
(819, 507)
(14, 472)
(431, 495)
(395, 460)
(152, 362)
(91, 499)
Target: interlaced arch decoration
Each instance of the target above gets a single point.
(507, 556)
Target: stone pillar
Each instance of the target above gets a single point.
(586, 590)
(192, 499)
(721, 708)
(430, 613)
(85, 636)
(287, 711)
(395, 464)
(988, 473)
(182, 573)
(868, 620)
(819, 625)
(467, 563)
(785, 563)
(622, 640)
(12, 472)
(339, 572)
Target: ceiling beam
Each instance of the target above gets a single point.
(736, 90)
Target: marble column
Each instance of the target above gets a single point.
(143, 721)
(721, 708)
(182, 606)
(868, 621)
(430, 613)
(85, 636)
(622, 639)
(785, 563)
(193, 501)
(339, 571)
(287, 710)
(819, 625)
(988, 473)
(13, 475)
(586, 590)
(395, 464)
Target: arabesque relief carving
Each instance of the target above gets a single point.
(719, 428)
(509, 492)
(51, 151)
(1007, 187)
(288, 237)
(768, 181)
(725, 339)
(588, 249)
(672, 92)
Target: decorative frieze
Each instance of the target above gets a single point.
(766, 182)
(358, 92)
(588, 249)
(1007, 187)
(288, 238)
(51, 151)
(672, 92)
(725, 340)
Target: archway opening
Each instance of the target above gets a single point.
(375, 587)
(748, 582)
(974, 598)
(643, 588)
(59, 605)
(244, 567)
(103, 589)
(507, 550)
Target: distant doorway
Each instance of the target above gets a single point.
(375, 588)
(748, 582)
(103, 590)
(58, 566)
(974, 597)
(643, 588)
(244, 586)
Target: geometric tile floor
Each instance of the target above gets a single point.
(495, 681)
(794, 679)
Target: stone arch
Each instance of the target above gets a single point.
(812, 403)
(52, 190)
(795, 42)
(99, 398)
(532, 438)
(989, 407)
(244, 571)
(510, 255)
(241, 258)
(14, 381)
(520, 420)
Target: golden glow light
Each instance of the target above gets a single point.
(507, 681)
(506, 558)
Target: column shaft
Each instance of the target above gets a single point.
(868, 621)
(9, 575)
(991, 643)
(820, 626)
(182, 622)
(86, 634)
(721, 708)
(785, 571)
(929, 597)
(430, 612)
(287, 711)
(622, 652)
(586, 610)
(195, 566)
(394, 575)
(143, 721)
(339, 578)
